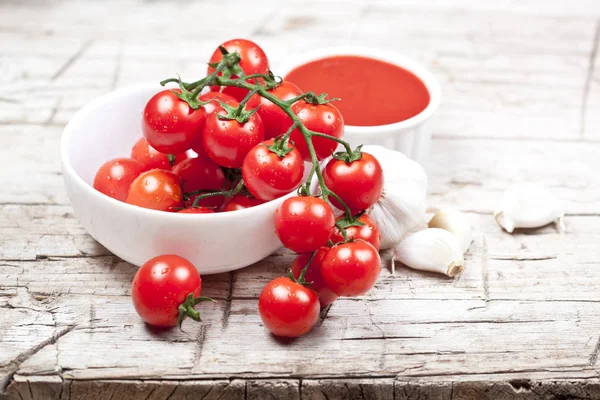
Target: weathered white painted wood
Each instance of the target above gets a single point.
(519, 80)
(591, 114)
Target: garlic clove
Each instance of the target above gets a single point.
(401, 208)
(456, 223)
(433, 250)
(529, 205)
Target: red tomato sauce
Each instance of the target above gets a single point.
(372, 92)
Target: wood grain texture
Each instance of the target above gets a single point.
(521, 87)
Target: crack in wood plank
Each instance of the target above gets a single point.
(200, 337)
(595, 353)
(228, 299)
(484, 269)
(117, 71)
(323, 315)
(523, 258)
(14, 365)
(63, 68)
(588, 78)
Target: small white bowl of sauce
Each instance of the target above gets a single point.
(386, 98)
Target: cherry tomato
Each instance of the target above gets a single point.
(313, 275)
(359, 184)
(303, 224)
(115, 176)
(287, 308)
(240, 202)
(152, 158)
(209, 108)
(253, 60)
(227, 141)
(322, 118)
(267, 176)
(351, 269)
(369, 232)
(275, 120)
(201, 173)
(196, 210)
(170, 124)
(161, 285)
(156, 189)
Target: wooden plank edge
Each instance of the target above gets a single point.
(54, 387)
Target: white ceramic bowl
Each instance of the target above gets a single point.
(107, 128)
(411, 136)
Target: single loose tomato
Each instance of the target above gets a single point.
(115, 176)
(201, 173)
(196, 210)
(170, 125)
(287, 308)
(351, 269)
(152, 158)
(241, 202)
(253, 60)
(161, 285)
(275, 120)
(359, 183)
(303, 224)
(156, 189)
(267, 175)
(313, 275)
(227, 141)
(369, 232)
(322, 118)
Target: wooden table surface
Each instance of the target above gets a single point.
(521, 101)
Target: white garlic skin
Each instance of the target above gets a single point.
(456, 223)
(401, 208)
(433, 250)
(528, 205)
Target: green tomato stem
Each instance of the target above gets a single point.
(305, 269)
(227, 193)
(230, 60)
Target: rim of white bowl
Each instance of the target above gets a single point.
(390, 56)
(83, 113)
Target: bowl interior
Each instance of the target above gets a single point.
(107, 128)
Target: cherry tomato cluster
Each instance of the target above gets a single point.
(191, 160)
(232, 140)
(336, 257)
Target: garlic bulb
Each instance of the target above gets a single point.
(433, 250)
(401, 208)
(529, 205)
(456, 223)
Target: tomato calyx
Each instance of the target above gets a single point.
(282, 145)
(239, 113)
(349, 157)
(231, 63)
(186, 309)
(312, 98)
(190, 97)
(348, 221)
(171, 159)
